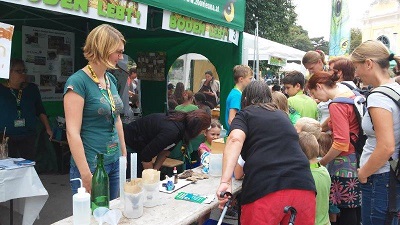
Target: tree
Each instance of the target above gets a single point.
(275, 17)
(355, 38)
(298, 38)
(321, 44)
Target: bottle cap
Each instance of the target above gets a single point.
(81, 190)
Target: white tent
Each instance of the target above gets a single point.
(267, 48)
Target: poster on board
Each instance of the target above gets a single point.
(151, 66)
(6, 33)
(49, 59)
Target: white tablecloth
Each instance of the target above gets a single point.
(24, 186)
(173, 212)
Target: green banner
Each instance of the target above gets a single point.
(125, 12)
(227, 13)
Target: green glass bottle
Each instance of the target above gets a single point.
(100, 196)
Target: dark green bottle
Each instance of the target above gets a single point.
(100, 196)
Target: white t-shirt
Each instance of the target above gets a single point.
(381, 101)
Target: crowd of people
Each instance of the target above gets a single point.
(295, 147)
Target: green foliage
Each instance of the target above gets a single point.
(275, 18)
(355, 38)
(299, 38)
(320, 44)
(277, 22)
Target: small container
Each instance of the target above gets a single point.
(215, 166)
(81, 206)
(223, 132)
(175, 172)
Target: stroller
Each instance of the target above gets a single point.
(287, 209)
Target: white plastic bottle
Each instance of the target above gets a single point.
(81, 206)
(223, 132)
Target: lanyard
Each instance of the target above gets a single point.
(17, 99)
(110, 98)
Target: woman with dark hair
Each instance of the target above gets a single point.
(202, 103)
(21, 106)
(341, 157)
(155, 135)
(178, 93)
(210, 88)
(277, 173)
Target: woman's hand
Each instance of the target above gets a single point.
(209, 93)
(147, 165)
(361, 177)
(87, 182)
(49, 131)
(223, 187)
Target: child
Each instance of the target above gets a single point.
(187, 105)
(204, 150)
(310, 147)
(294, 84)
(281, 101)
(242, 75)
(325, 143)
(309, 125)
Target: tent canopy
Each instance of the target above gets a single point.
(224, 56)
(267, 48)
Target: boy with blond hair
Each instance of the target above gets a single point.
(309, 125)
(242, 75)
(310, 147)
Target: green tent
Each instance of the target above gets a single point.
(224, 56)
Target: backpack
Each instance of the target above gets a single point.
(357, 90)
(359, 108)
(392, 94)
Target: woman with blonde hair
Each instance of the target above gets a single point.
(92, 107)
(381, 123)
(314, 61)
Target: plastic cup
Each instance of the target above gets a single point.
(133, 205)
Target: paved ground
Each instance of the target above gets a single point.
(59, 203)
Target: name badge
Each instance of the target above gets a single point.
(19, 123)
(112, 147)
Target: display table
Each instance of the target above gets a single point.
(177, 212)
(23, 186)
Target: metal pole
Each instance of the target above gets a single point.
(257, 53)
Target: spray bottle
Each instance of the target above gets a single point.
(175, 172)
(81, 206)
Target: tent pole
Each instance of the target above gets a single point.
(258, 56)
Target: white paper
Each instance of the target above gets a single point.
(133, 165)
(6, 33)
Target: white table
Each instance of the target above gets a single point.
(177, 212)
(23, 186)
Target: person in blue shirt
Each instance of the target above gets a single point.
(242, 75)
(21, 106)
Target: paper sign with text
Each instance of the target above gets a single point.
(6, 33)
